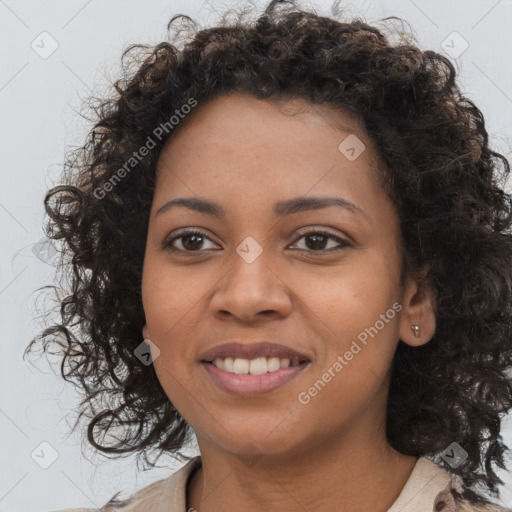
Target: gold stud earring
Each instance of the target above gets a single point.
(416, 330)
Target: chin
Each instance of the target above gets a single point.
(264, 439)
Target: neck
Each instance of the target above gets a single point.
(357, 474)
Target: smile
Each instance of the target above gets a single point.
(233, 377)
(257, 366)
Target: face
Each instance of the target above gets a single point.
(322, 282)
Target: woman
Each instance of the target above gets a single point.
(289, 238)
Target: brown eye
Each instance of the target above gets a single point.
(316, 241)
(191, 241)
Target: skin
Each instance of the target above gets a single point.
(247, 154)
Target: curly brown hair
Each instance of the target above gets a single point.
(439, 171)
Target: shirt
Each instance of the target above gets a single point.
(430, 488)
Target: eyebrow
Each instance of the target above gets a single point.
(281, 209)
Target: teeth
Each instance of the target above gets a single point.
(241, 366)
(228, 364)
(273, 364)
(257, 366)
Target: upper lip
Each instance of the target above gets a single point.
(251, 351)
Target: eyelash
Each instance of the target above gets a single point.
(167, 245)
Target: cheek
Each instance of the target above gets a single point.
(351, 297)
(164, 286)
(169, 296)
(168, 302)
(170, 320)
(356, 310)
(351, 377)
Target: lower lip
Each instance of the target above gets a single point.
(252, 385)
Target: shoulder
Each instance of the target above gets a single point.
(169, 491)
(452, 499)
(432, 488)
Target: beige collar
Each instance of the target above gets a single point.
(427, 489)
(426, 481)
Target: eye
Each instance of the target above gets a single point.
(192, 241)
(317, 241)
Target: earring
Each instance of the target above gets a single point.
(416, 330)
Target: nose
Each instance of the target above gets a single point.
(251, 290)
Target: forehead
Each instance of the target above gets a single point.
(240, 147)
(246, 119)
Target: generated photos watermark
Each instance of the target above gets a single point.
(159, 133)
(304, 397)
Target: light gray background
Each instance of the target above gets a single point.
(39, 98)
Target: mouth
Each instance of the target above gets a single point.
(262, 355)
(249, 385)
(250, 369)
(256, 366)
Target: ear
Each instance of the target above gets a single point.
(418, 309)
(145, 332)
